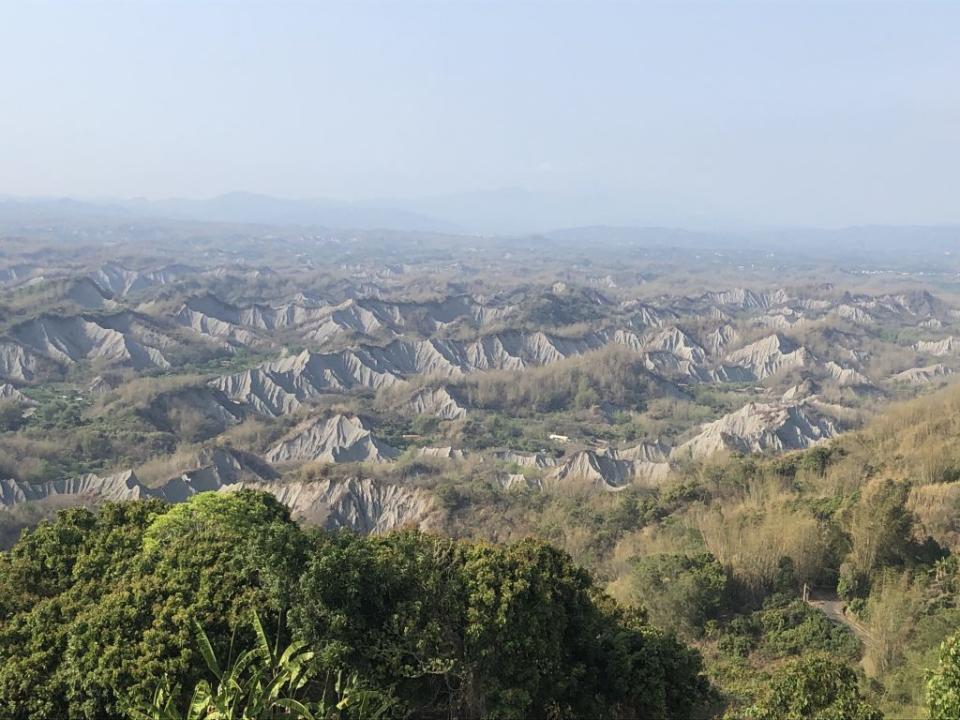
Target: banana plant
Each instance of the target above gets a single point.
(264, 683)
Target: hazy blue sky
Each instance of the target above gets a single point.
(766, 112)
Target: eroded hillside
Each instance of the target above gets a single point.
(734, 420)
(406, 363)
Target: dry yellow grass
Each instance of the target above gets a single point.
(166, 467)
(937, 509)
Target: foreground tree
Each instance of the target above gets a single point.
(943, 686)
(880, 532)
(266, 683)
(815, 687)
(98, 610)
(680, 592)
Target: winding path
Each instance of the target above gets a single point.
(835, 610)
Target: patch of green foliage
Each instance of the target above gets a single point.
(99, 610)
(205, 363)
(497, 430)
(787, 627)
(265, 682)
(11, 416)
(817, 687)
(943, 685)
(680, 592)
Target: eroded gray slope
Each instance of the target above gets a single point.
(324, 324)
(339, 438)
(121, 338)
(282, 386)
(361, 505)
(766, 357)
(760, 427)
(23, 364)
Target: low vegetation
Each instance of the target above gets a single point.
(721, 554)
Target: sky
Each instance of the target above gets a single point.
(764, 113)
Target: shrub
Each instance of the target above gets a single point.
(815, 687)
(11, 415)
(679, 592)
(794, 628)
(943, 686)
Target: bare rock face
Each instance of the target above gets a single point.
(759, 427)
(9, 392)
(604, 470)
(854, 314)
(372, 317)
(607, 469)
(22, 364)
(123, 338)
(919, 303)
(337, 439)
(369, 318)
(439, 402)
(537, 460)
(651, 461)
(781, 319)
(215, 468)
(938, 348)
(667, 353)
(518, 481)
(85, 489)
(846, 377)
(768, 357)
(209, 316)
(211, 313)
(739, 299)
(88, 295)
(195, 412)
(120, 281)
(645, 315)
(719, 340)
(802, 390)
(675, 341)
(365, 506)
(327, 324)
(442, 453)
(283, 385)
(649, 452)
(922, 375)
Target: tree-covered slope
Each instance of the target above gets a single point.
(98, 610)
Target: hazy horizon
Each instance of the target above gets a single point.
(740, 114)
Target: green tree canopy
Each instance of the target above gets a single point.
(679, 591)
(815, 687)
(943, 686)
(99, 610)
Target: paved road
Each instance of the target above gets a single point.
(835, 610)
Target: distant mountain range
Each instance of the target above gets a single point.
(509, 212)
(236, 207)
